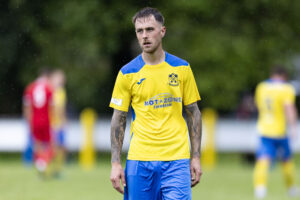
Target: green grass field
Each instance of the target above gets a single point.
(230, 180)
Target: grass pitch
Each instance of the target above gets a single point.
(230, 180)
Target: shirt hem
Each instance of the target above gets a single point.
(157, 159)
(274, 136)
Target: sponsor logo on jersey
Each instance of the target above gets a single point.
(162, 100)
(173, 79)
(141, 81)
(116, 101)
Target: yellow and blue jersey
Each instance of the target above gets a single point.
(156, 94)
(271, 96)
(59, 102)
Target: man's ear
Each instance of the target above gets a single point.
(163, 31)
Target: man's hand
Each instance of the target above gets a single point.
(196, 171)
(117, 175)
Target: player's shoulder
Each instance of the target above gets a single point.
(62, 90)
(133, 66)
(175, 61)
(29, 86)
(283, 85)
(262, 84)
(28, 89)
(46, 85)
(277, 85)
(60, 94)
(288, 87)
(269, 83)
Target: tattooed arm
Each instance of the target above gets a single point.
(118, 125)
(193, 117)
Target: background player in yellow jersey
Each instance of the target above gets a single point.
(275, 99)
(58, 119)
(156, 85)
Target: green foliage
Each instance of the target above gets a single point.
(229, 44)
(232, 44)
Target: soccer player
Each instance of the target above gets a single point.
(275, 100)
(28, 151)
(37, 105)
(156, 85)
(58, 120)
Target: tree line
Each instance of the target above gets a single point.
(230, 45)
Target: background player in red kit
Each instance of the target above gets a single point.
(37, 106)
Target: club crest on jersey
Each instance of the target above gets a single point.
(173, 79)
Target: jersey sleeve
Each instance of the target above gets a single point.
(257, 94)
(289, 95)
(190, 90)
(121, 96)
(60, 97)
(26, 97)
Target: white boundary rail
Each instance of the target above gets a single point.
(231, 136)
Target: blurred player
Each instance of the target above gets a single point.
(28, 151)
(275, 99)
(37, 105)
(157, 85)
(57, 79)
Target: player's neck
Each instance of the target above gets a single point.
(154, 58)
(42, 78)
(277, 78)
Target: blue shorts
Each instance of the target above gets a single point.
(28, 151)
(157, 180)
(274, 148)
(60, 137)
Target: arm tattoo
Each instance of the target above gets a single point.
(193, 118)
(118, 125)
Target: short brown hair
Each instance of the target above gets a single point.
(148, 11)
(44, 71)
(279, 70)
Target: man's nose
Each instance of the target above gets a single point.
(145, 34)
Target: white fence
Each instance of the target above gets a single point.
(231, 136)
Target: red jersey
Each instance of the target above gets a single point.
(38, 95)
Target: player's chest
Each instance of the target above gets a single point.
(149, 84)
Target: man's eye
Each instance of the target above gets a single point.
(150, 29)
(139, 30)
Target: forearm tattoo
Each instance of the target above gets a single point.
(118, 125)
(193, 117)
